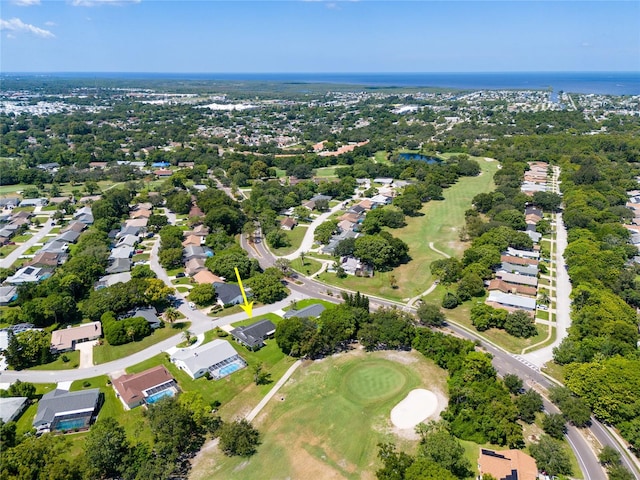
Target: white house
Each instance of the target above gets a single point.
(218, 358)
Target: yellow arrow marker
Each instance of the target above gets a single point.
(248, 306)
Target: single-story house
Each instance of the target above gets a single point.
(507, 465)
(510, 301)
(523, 253)
(74, 226)
(533, 235)
(193, 266)
(124, 231)
(128, 240)
(119, 265)
(163, 172)
(69, 236)
(141, 213)
(528, 270)
(194, 251)
(346, 225)
(505, 287)
(518, 260)
(383, 180)
(381, 199)
(145, 387)
(218, 358)
(517, 279)
(28, 275)
(252, 336)
(312, 311)
(353, 266)
(228, 293)
(123, 251)
(200, 230)
(150, 314)
(288, 223)
(141, 223)
(533, 210)
(160, 164)
(112, 279)
(49, 167)
(194, 240)
(12, 407)
(34, 202)
(47, 259)
(205, 276)
(195, 211)
(55, 246)
(63, 410)
(8, 294)
(9, 202)
(65, 339)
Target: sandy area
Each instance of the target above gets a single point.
(418, 405)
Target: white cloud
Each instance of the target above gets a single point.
(26, 3)
(97, 3)
(15, 25)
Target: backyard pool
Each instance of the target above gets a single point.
(71, 424)
(159, 395)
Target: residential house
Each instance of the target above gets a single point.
(523, 253)
(511, 302)
(111, 279)
(346, 225)
(507, 465)
(47, 259)
(194, 251)
(505, 287)
(517, 278)
(55, 246)
(119, 265)
(357, 210)
(97, 165)
(252, 336)
(141, 223)
(195, 211)
(127, 240)
(63, 410)
(200, 230)
(34, 202)
(131, 230)
(145, 388)
(51, 167)
(518, 260)
(205, 276)
(194, 240)
(65, 339)
(353, 266)
(288, 223)
(218, 358)
(74, 226)
(312, 311)
(150, 314)
(69, 236)
(529, 270)
(351, 217)
(383, 180)
(533, 235)
(229, 294)
(142, 213)
(8, 294)
(163, 172)
(12, 407)
(9, 202)
(366, 204)
(533, 210)
(28, 275)
(122, 251)
(193, 266)
(381, 200)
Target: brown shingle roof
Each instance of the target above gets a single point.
(497, 284)
(518, 260)
(205, 276)
(131, 387)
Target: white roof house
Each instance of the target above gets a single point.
(522, 253)
(66, 338)
(26, 275)
(218, 358)
(512, 301)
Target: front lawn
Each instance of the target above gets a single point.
(73, 360)
(295, 237)
(106, 353)
(309, 267)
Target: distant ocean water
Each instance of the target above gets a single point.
(608, 83)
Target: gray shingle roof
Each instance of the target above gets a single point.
(254, 334)
(58, 402)
(312, 311)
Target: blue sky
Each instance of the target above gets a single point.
(318, 36)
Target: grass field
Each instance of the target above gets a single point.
(439, 223)
(107, 353)
(309, 267)
(73, 360)
(295, 237)
(327, 420)
(326, 172)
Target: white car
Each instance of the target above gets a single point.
(192, 305)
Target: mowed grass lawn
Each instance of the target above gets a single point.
(295, 237)
(327, 420)
(440, 223)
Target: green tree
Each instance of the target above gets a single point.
(529, 403)
(325, 230)
(267, 287)
(520, 324)
(105, 448)
(170, 257)
(430, 315)
(239, 438)
(278, 239)
(424, 469)
(203, 294)
(395, 463)
(554, 425)
(447, 270)
(513, 383)
(439, 446)
(551, 456)
(21, 389)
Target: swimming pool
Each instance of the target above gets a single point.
(71, 424)
(159, 395)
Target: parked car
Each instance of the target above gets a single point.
(180, 275)
(192, 305)
(139, 251)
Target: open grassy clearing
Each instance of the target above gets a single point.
(327, 420)
(295, 237)
(326, 172)
(308, 267)
(106, 353)
(439, 223)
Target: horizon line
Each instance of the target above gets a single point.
(311, 72)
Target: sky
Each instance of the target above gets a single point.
(207, 36)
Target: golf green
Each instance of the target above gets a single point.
(372, 382)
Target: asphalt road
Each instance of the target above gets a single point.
(7, 261)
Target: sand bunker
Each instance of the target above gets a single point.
(417, 406)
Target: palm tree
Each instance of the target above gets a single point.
(171, 314)
(187, 334)
(302, 255)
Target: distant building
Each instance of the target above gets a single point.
(8, 294)
(511, 302)
(228, 294)
(12, 407)
(312, 311)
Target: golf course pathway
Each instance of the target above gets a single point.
(432, 247)
(254, 413)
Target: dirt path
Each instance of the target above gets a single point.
(432, 247)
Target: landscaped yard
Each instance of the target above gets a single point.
(327, 420)
(106, 353)
(72, 361)
(309, 267)
(440, 223)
